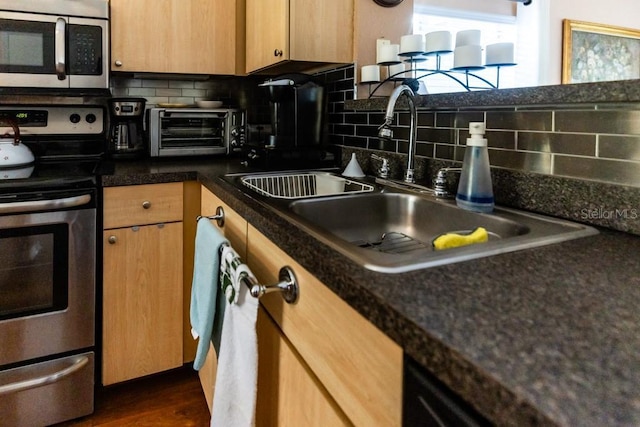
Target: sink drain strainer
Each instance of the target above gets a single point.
(393, 243)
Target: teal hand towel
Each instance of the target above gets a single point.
(205, 307)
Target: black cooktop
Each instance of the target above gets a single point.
(50, 174)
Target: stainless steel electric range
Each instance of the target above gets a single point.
(48, 214)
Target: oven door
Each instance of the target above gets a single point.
(47, 276)
(48, 51)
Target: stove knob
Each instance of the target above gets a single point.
(91, 118)
(75, 118)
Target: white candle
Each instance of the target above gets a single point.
(468, 38)
(468, 57)
(370, 73)
(412, 43)
(395, 69)
(389, 54)
(438, 42)
(500, 54)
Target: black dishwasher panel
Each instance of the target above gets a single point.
(427, 402)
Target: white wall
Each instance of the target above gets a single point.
(621, 13)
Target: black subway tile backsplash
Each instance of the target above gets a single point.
(520, 160)
(615, 122)
(599, 142)
(603, 170)
(619, 147)
(563, 143)
(520, 120)
(458, 119)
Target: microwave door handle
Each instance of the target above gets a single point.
(61, 47)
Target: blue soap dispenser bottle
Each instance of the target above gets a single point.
(475, 191)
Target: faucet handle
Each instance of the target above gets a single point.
(383, 171)
(441, 183)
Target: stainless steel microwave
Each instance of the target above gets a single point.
(195, 131)
(54, 44)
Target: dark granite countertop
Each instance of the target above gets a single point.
(622, 91)
(548, 336)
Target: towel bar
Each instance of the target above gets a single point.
(287, 284)
(218, 217)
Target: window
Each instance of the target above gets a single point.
(494, 29)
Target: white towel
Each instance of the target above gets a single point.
(234, 401)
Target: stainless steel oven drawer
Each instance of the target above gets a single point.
(48, 392)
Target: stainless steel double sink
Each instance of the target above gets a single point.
(390, 229)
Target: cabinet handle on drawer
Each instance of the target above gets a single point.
(146, 204)
(112, 240)
(287, 285)
(218, 217)
(277, 52)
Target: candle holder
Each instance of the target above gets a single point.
(467, 60)
(464, 76)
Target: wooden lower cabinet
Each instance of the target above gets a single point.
(288, 392)
(235, 230)
(359, 366)
(142, 301)
(320, 362)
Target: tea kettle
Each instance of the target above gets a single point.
(12, 152)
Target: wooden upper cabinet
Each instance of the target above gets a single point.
(177, 36)
(298, 34)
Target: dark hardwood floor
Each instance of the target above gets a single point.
(173, 398)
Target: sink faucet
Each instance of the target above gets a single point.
(385, 132)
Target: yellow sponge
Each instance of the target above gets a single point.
(453, 240)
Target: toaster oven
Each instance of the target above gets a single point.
(195, 132)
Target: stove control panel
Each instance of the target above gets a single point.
(57, 120)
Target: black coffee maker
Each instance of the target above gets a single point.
(297, 107)
(126, 133)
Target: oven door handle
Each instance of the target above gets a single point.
(45, 379)
(38, 205)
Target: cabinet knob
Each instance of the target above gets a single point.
(146, 204)
(112, 240)
(277, 52)
(118, 63)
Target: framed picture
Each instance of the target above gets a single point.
(597, 53)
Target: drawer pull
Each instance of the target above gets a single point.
(287, 285)
(112, 240)
(146, 204)
(218, 217)
(44, 380)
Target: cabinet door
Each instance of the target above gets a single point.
(235, 230)
(322, 31)
(308, 31)
(174, 36)
(288, 393)
(360, 366)
(267, 34)
(142, 301)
